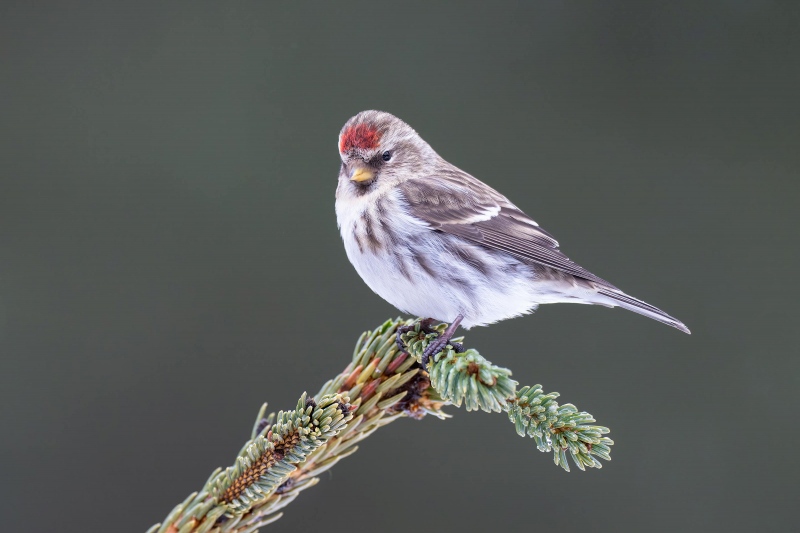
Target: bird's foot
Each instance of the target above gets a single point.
(457, 346)
(441, 341)
(425, 326)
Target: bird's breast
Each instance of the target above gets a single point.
(379, 237)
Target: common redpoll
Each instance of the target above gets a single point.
(436, 242)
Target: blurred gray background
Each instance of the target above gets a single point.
(169, 257)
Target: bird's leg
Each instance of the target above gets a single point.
(442, 341)
(424, 326)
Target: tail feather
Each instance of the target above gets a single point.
(630, 303)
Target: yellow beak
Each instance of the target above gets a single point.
(362, 174)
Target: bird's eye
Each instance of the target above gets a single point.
(387, 155)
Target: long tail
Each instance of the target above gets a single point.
(630, 303)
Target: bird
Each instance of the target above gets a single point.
(437, 243)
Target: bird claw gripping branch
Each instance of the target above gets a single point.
(422, 328)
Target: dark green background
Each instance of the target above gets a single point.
(169, 256)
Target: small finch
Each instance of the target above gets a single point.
(436, 242)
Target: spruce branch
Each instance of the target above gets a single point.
(470, 378)
(286, 452)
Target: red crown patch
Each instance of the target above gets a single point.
(359, 136)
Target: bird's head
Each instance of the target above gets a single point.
(380, 150)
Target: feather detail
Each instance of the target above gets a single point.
(456, 203)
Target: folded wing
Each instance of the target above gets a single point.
(456, 203)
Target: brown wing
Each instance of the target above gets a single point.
(456, 203)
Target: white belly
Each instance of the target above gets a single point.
(419, 273)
